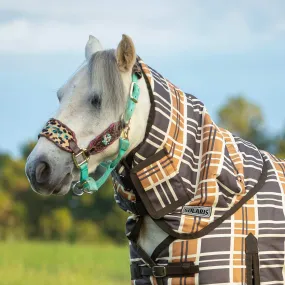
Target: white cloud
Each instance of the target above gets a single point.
(156, 26)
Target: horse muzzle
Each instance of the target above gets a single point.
(49, 175)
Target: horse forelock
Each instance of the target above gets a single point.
(106, 79)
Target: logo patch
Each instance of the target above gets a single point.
(198, 211)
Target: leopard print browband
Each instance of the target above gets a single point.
(61, 135)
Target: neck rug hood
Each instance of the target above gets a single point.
(219, 199)
(187, 172)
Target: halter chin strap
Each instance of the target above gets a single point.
(63, 137)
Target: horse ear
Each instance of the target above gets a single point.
(126, 54)
(93, 45)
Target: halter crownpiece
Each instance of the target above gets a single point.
(64, 138)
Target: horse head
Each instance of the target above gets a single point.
(93, 99)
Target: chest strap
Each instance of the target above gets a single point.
(175, 269)
(183, 269)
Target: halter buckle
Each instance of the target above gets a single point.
(125, 132)
(131, 93)
(84, 158)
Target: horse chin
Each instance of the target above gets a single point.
(64, 186)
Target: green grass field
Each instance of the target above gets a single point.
(63, 264)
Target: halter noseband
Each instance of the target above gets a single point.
(63, 137)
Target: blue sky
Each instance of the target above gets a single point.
(211, 49)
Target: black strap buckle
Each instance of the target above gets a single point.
(135, 271)
(159, 271)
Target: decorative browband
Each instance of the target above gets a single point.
(62, 136)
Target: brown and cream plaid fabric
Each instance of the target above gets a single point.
(187, 160)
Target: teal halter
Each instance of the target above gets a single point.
(88, 184)
(65, 139)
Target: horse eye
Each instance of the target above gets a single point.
(96, 101)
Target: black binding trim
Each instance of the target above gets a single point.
(135, 271)
(133, 235)
(165, 227)
(147, 259)
(252, 260)
(164, 244)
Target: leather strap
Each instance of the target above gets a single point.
(110, 135)
(183, 269)
(74, 147)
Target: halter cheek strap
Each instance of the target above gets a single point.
(63, 137)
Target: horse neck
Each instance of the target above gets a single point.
(151, 235)
(139, 119)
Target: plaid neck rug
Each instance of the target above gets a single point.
(218, 197)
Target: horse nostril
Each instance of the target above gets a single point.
(43, 172)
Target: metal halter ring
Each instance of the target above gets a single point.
(84, 190)
(78, 189)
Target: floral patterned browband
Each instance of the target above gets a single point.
(63, 137)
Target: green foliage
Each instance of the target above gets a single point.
(12, 218)
(24, 213)
(57, 225)
(46, 227)
(240, 116)
(114, 223)
(89, 232)
(280, 145)
(27, 148)
(61, 223)
(244, 119)
(12, 174)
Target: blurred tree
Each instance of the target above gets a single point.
(13, 176)
(102, 209)
(5, 206)
(114, 225)
(23, 212)
(27, 148)
(61, 223)
(12, 217)
(280, 145)
(4, 159)
(46, 227)
(88, 232)
(58, 224)
(245, 120)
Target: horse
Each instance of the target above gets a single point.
(207, 207)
